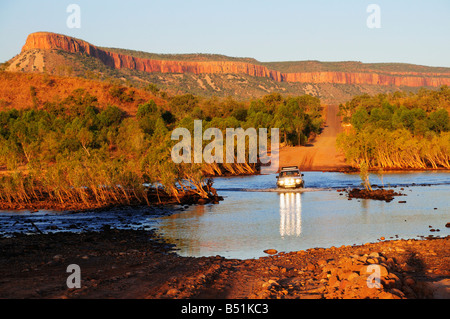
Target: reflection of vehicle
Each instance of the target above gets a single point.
(290, 177)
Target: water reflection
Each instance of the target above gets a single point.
(290, 214)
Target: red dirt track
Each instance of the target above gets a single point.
(322, 154)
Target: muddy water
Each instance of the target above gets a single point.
(255, 216)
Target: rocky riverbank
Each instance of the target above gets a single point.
(139, 264)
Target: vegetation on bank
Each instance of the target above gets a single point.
(398, 130)
(74, 152)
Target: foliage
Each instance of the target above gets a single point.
(122, 94)
(72, 151)
(398, 130)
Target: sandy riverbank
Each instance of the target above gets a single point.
(137, 264)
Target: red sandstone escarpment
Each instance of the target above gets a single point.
(49, 41)
(366, 78)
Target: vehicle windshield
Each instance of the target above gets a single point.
(289, 174)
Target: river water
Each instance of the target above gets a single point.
(255, 216)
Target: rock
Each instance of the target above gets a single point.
(322, 262)
(172, 292)
(345, 261)
(395, 277)
(310, 267)
(352, 275)
(409, 281)
(387, 295)
(362, 259)
(343, 284)
(397, 292)
(388, 282)
(270, 251)
(310, 296)
(328, 268)
(333, 281)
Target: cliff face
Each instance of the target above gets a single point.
(49, 41)
(423, 79)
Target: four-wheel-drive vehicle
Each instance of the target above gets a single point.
(290, 177)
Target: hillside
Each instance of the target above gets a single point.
(219, 75)
(21, 91)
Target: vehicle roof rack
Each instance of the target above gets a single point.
(289, 168)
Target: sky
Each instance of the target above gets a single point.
(414, 31)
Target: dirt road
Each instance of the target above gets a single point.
(322, 154)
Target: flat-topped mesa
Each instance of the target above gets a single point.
(51, 41)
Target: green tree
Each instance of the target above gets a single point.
(439, 121)
(359, 118)
(110, 116)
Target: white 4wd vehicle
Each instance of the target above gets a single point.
(290, 177)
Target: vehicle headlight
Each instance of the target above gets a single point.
(298, 181)
(281, 182)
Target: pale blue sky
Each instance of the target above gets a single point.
(414, 31)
